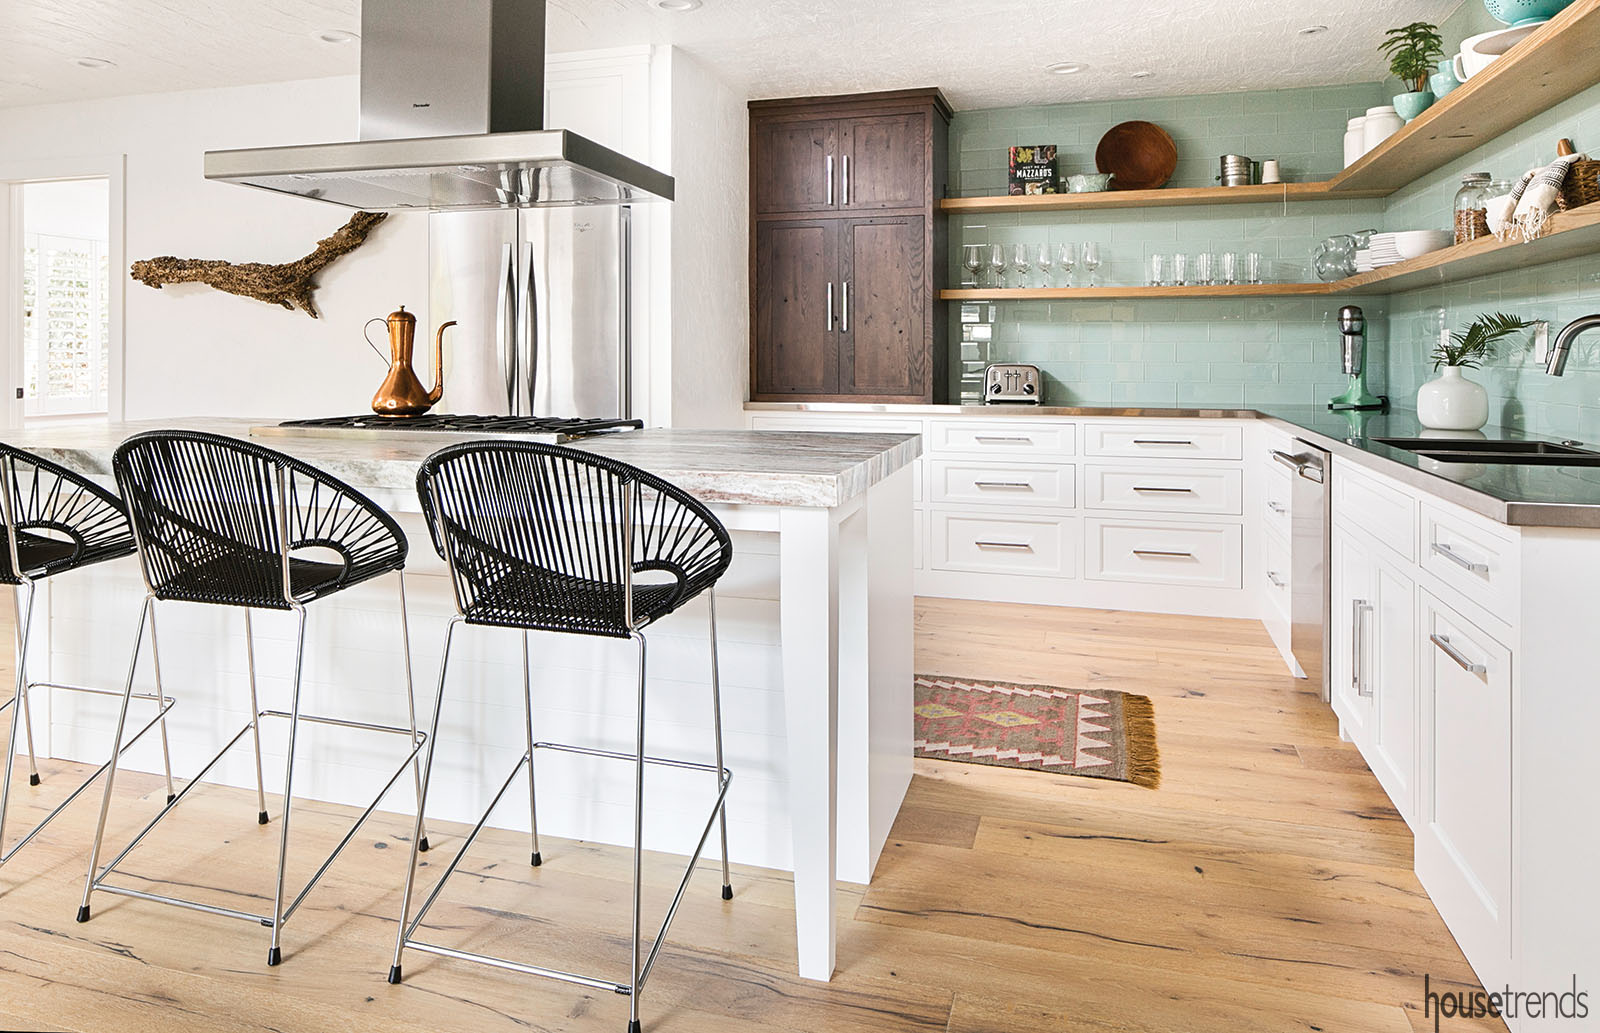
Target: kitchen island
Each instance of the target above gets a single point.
(816, 629)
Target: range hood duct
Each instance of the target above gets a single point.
(452, 117)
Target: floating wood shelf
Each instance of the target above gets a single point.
(1555, 62)
(1174, 198)
(1571, 235)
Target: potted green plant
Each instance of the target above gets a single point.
(1413, 51)
(1451, 401)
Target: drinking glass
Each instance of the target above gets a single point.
(1205, 273)
(1066, 258)
(997, 263)
(1091, 259)
(1019, 262)
(1045, 262)
(1230, 267)
(1253, 267)
(972, 259)
(1180, 270)
(1158, 270)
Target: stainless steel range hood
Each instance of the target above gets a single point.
(452, 117)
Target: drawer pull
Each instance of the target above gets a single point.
(1459, 560)
(1162, 441)
(1443, 642)
(1277, 507)
(1166, 491)
(1163, 552)
(1023, 546)
(1358, 649)
(1276, 579)
(1003, 484)
(1002, 437)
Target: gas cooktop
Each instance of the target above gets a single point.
(552, 429)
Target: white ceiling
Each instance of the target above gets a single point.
(984, 53)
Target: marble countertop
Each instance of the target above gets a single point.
(1023, 411)
(760, 468)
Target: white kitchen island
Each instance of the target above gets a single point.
(816, 632)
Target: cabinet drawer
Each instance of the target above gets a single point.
(1188, 439)
(1040, 546)
(1011, 438)
(1383, 511)
(955, 480)
(1275, 575)
(1209, 555)
(1277, 493)
(1164, 488)
(1482, 565)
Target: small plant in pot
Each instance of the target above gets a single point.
(1414, 51)
(1451, 401)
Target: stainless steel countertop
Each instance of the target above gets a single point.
(1524, 496)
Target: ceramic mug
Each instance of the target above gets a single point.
(1444, 80)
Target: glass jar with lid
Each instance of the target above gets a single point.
(1472, 211)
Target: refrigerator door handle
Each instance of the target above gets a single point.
(527, 335)
(506, 322)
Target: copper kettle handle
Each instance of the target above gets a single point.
(366, 333)
(438, 362)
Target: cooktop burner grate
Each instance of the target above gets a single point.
(553, 429)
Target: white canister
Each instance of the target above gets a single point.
(1271, 171)
(1354, 140)
(1381, 123)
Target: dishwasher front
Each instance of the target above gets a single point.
(1310, 569)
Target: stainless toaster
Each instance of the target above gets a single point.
(1012, 383)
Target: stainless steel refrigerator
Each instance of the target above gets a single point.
(540, 299)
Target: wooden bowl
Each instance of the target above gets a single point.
(1139, 154)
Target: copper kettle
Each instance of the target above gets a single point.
(401, 393)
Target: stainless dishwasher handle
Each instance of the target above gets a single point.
(1358, 646)
(1443, 642)
(827, 172)
(1168, 491)
(1163, 552)
(1004, 545)
(1459, 560)
(1002, 484)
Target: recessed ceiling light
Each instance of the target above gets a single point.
(676, 6)
(1144, 74)
(336, 37)
(1065, 67)
(93, 62)
(1312, 30)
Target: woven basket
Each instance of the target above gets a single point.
(1583, 180)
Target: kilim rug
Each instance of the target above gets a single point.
(1097, 734)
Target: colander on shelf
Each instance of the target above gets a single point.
(1524, 12)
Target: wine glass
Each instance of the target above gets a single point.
(1045, 262)
(972, 259)
(1019, 262)
(1066, 258)
(997, 263)
(1091, 259)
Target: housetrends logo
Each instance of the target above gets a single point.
(1504, 1004)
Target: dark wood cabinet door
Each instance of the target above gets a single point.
(795, 166)
(884, 346)
(796, 325)
(883, 161)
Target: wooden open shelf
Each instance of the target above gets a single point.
(1174, 198)
(1571, 235)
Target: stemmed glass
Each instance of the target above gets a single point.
(1019, 262)
(1045, 262)
(1091, 259)
(997, 264)
(1066, 258)
(972, 259)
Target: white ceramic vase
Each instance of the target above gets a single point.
(1452, 402)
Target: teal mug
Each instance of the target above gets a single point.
(1444, 80)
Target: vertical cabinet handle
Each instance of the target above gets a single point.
(1358, 608)
(844, 304)
(827, 179)
(829, 323)
(844, 180)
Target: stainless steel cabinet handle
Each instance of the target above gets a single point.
(1004, 545)
(1167, 491)
(830, 307)
(1161, 441)
(1358, 650)
(1163, 552)
(1277, 507)
(1002, 484)
(1443, 642)
(844, 302)
(844, 179)
(1276, 579)
(827, 171)
(997, 437)
(1458, 559)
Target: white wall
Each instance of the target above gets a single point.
(71, 208)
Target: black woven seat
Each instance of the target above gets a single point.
(63, 520)
(207, 508)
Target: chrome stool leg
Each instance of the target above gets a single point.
(255, 718)
(275, 953)
(533, 806)
(716, 725)
(18, 705)
(161, 694)
(638, 844)
(20, 697)
(411, 703)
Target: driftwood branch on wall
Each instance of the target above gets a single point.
(290, 284)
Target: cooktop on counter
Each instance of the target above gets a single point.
(550, 429)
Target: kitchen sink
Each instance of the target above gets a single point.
(1508, 451)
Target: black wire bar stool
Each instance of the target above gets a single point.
(220, 521)
(56, 521)
(544, 538)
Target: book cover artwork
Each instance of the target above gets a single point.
(1033, 170)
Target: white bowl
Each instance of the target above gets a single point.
(1416, 243)
(1480, 51)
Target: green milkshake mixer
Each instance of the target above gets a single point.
(1353, 361)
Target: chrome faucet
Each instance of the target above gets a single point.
(1556, 363)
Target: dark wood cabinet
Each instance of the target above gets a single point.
(846, 249)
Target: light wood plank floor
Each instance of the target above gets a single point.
(1265, 887)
